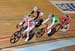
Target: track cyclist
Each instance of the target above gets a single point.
(29, 23)
(65, 19)
(54, 22)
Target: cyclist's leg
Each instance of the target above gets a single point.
(49, 29)
(28, 30)
(25, 25)
(64, 24)
(27, 37)
(31, 28)
(25, 32)
(57, 25)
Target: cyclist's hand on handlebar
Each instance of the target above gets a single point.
(18, 26)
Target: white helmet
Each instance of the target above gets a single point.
(35, 8)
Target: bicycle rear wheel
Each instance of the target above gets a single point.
(65, 28)
(39, 23)
(53, 30)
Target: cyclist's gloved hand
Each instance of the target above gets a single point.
(17, 26)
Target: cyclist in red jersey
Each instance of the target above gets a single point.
(64, 20)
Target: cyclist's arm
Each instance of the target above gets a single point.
(21, 22)
(45, 20)
(38, 13)
(32, 12)
(49, 16)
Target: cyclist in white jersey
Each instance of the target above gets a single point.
(30, 23)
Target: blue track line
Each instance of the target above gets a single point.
(49, 46)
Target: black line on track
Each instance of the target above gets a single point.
(35, 42)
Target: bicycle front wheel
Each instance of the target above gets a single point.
(15, 37)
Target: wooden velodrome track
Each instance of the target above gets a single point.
(12, 10)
